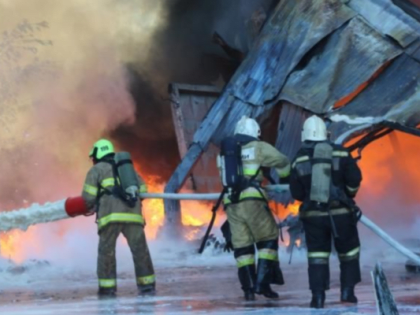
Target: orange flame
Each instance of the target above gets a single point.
(389, 168)
(283, 211)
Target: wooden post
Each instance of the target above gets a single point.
(172, 207)
(201, 139)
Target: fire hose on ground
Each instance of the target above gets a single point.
(75, 206)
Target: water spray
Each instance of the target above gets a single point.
(75, 206)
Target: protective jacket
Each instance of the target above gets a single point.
(345, 177)
(97, 193)
(257, 155)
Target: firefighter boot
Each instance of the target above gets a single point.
(318, 299)
(147, 289)
(347, 295)
(246, 276)
(268, 292)
(268, 272)
(107, 292)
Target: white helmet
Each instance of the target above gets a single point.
(314, 129)
(248, 126)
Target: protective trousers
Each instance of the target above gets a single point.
(318, 233)
(107, 268)
(251, 222)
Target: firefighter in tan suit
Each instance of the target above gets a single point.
(114, 216)
(250, 219)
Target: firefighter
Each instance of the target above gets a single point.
(250, 220)
(115, 216)
(325, 178)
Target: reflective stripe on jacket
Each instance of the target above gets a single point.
(110, 208)
(257, 154)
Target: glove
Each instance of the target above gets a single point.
(228, 247)
(228, 237)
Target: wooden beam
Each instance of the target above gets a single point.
(201, 140)
(195, 88)
(178, 119)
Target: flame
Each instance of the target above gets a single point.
(7, 245)
(283, 211)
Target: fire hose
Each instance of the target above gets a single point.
(75, 206)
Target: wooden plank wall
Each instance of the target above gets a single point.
(190, 104)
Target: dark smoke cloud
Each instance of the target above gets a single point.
(183, 52)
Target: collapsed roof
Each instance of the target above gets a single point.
(355, 62)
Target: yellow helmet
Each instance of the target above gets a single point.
(101, 148)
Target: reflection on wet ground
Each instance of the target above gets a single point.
(199, 290)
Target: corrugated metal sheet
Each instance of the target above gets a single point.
(388, 19)
(294, 28)
(350, 56)
(238, 109)
(394, 97)
(289, 139)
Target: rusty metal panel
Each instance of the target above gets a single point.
(392, 98)
(346, 59)
(388, 19)
(190, 104)
(293, 29)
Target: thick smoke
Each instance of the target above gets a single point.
(183, 52)
(77, 70)
(63, 84)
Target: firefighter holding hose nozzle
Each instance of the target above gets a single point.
(326, 178)
(250, 220)
(111, 189)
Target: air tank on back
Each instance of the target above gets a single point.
(127, 173)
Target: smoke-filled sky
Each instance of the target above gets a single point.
(73, 71)
(64, 84)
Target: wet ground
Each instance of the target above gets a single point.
(194, 290)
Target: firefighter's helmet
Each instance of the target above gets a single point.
(101, 148)
(248, 126)
(314, 129)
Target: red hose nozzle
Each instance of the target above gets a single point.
(75, 206)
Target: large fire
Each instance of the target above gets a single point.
(56, 100)
(390, 176)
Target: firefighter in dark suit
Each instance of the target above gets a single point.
(326, 178)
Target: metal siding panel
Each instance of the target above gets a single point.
(388, 19)
(289, 139)
(294, 28)
(350, 57)
(394, 97)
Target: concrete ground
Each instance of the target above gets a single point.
(194, 290)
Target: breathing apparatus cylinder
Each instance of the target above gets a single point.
(127, 175)
(75, 206)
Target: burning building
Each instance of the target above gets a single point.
(337, 59)
(354, 62)
(282, 60)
